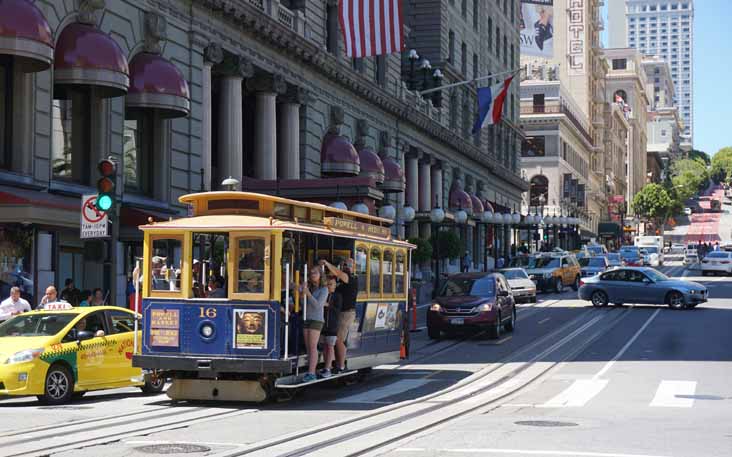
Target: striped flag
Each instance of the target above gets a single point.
(371, 27)
(490, 104)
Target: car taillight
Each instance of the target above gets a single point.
(724, 262)
(582, 283)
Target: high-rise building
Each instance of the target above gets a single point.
(663, 28)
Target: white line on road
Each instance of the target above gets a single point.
(525, 452)
(674, 394)
(373, 395)
(578, 394)
(620, 353)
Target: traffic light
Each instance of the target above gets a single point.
(105, 185)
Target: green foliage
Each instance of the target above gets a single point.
(722, 164)
(450, 246)
(700, 155)
(423, 252)
(688, 177)
(653, 203)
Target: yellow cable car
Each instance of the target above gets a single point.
(221, 304)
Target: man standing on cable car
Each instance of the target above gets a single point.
(348, 289)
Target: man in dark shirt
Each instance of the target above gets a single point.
(348, 289)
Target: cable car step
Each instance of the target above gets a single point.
(294, 382)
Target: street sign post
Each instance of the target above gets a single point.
(94, 223)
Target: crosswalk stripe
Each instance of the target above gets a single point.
(674, 394)
(374, 395)
(578, 394)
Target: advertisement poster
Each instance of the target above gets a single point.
(250, 329)
(381, 314)
(164, 327)
(537, 28)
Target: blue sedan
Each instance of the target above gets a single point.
(641, 286)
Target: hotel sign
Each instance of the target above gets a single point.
(358, 227)
(576, 37)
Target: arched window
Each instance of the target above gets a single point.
(539, 186)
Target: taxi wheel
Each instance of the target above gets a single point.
(559, 286)
(576, 284)
(153, 385)
(59, 385)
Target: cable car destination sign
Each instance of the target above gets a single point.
(358, 227)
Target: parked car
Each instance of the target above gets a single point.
(717, 262)
(472, 300)
(651, 256)
(520, 261)
(614, 260)
(631, 255)
(554, 272)
(62, 352)
(641, 286)
(522, 288)
(596, 249)
(591, 266)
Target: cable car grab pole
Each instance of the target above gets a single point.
(135, 277)
(287, 308)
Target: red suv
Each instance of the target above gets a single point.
(472, 300)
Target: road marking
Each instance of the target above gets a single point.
(674, 394)
(373, 395)
(620, 353)
(545, 320)
(524, 452)
(578, 394)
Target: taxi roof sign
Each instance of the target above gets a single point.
(58, 306)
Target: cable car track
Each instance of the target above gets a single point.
(432, 402)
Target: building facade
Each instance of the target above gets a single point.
(665, 127)
(185, 94)
(663, 28)
(627, 85)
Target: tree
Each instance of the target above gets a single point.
(423, 252)
(688, 177)
(695, 154)
(653, 203)
(450, 244)
(722, 164)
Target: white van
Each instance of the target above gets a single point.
(654, 245)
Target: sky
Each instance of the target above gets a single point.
(712, 74)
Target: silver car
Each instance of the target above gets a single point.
(641, 286)
(522, 288)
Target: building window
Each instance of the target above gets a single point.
(490, 33)
(464, 9)
(138, 147)
(538, 187)
(620, 64)
(331, 26)
(498, 42)
(476, 70)
(533, 146)
(476, 13)
(70, 151)
(6, 127)
(380, 70)
(358, 65)
(451, 49)
(464, 59)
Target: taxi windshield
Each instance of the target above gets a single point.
(35, 324)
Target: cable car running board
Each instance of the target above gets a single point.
(295, 382)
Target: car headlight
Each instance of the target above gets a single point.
(482, 308)
(27, 355)
(435, 307)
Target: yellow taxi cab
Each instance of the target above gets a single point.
(62, 352)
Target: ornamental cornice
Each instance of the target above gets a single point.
(291, 44)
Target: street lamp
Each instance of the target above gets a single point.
(437, 78)
(437, 215)
(231, 183)
(387, 212)
(413, 58)
(486, 219)
(426, 69)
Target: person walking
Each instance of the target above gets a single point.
(13, 305)
(348, 289)
(315, 296)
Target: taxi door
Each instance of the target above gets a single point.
(91, 353)
(566, 271)
(119, 347)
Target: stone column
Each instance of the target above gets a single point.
(266, 88)
(288, 133)
(412, 173)
(437, 197)
(234, 69)
(212, 55)
(425, 184)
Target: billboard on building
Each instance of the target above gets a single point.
(537, 28)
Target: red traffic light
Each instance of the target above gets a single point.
(107, 168)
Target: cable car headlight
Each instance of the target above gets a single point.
(207, 330)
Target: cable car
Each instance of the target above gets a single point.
(222, 312)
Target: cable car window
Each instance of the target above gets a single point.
(208, 266)
(399, 273)
(375, 272)
(388, 267)
(250, 266)
(165, 264)
(361, 265)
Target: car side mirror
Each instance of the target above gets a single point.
(82, 335)
(503, 293)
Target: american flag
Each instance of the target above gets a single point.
(371, 27)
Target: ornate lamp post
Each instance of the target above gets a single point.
(437, 216)
(413, 58)
(437, 78)
(426, 69)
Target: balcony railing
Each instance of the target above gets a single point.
(294, 20)
(558, 109)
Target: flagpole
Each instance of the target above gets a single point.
(463, 83)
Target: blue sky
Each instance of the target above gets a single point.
(712, 74)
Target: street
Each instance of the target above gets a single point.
(571, 381)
